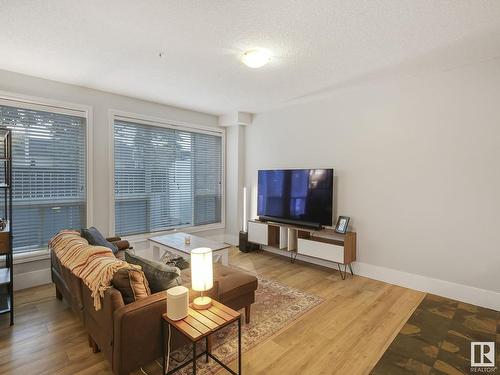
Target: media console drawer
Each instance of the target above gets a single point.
(258, 233)
(322, 250)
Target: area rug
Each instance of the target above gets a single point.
(276, 307)
(437, 339)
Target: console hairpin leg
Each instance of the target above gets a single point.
(344, 274)
(350, 268)
(239, 345)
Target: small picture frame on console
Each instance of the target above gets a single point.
(342, 224)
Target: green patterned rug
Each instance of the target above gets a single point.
(437, 339)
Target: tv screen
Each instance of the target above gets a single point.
(296, 194)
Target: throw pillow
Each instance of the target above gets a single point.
(132, 284)
(160, 276)
(173, 260)
(94, 237)
(179, 262)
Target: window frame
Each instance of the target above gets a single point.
(113, 115)
(66, 108)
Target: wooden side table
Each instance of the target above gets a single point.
(198, 325)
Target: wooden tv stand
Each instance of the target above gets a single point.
(325, 244)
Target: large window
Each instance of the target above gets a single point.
(165, 178)
(49, 178)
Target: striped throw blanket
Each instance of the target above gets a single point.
(94, 265)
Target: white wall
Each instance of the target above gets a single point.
(417, 162)
(235, 178)
(101, 102)
(232, 169)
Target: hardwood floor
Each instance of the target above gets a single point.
(346, 334)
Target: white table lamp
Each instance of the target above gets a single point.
(202, 275)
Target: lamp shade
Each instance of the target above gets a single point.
(201, 269)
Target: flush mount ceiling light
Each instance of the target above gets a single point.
(256, 58)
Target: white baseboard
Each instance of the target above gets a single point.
(33, 278)
(476, 296)
(469, 294)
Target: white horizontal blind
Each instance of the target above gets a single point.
(165, 178)
(49, 174)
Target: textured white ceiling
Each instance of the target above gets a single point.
(113, 45)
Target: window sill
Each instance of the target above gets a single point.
(31, 256)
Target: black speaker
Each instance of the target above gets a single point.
(244, 245)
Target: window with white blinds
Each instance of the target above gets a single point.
(165, 178)
(49, 174)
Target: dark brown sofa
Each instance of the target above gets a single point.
(129, 336)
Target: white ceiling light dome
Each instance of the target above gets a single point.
(256, 58)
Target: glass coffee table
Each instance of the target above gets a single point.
(175, 243)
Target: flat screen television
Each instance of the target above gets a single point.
(296, 196)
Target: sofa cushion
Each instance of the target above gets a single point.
(132, 284)
(160, 276)
(94, 237)
(233, 282)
